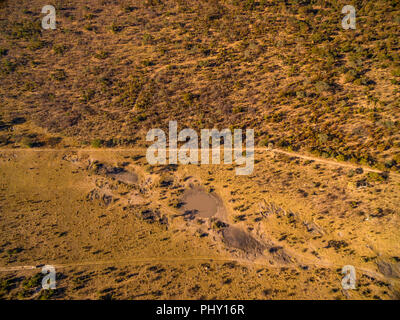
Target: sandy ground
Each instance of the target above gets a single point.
(283, 232)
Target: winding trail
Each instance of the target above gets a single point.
(276, 151)
(133, 261)
(330, 162)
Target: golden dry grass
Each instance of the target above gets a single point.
(114, 69)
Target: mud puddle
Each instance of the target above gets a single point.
(199, 203)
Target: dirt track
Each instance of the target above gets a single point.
(278, 151)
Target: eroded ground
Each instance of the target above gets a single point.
(116, 227)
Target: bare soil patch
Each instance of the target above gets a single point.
(239, 239)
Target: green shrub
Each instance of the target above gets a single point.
(378, 177)
(238, 109)
(96, 143)
(60, 49)
(33, 282)
(102, 55)
(396, 72)
(46, 294)
(28, 142)
(7, 66)
(26, 30)
(115, 28)
(140, 117)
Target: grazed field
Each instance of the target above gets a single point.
(77, 192)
